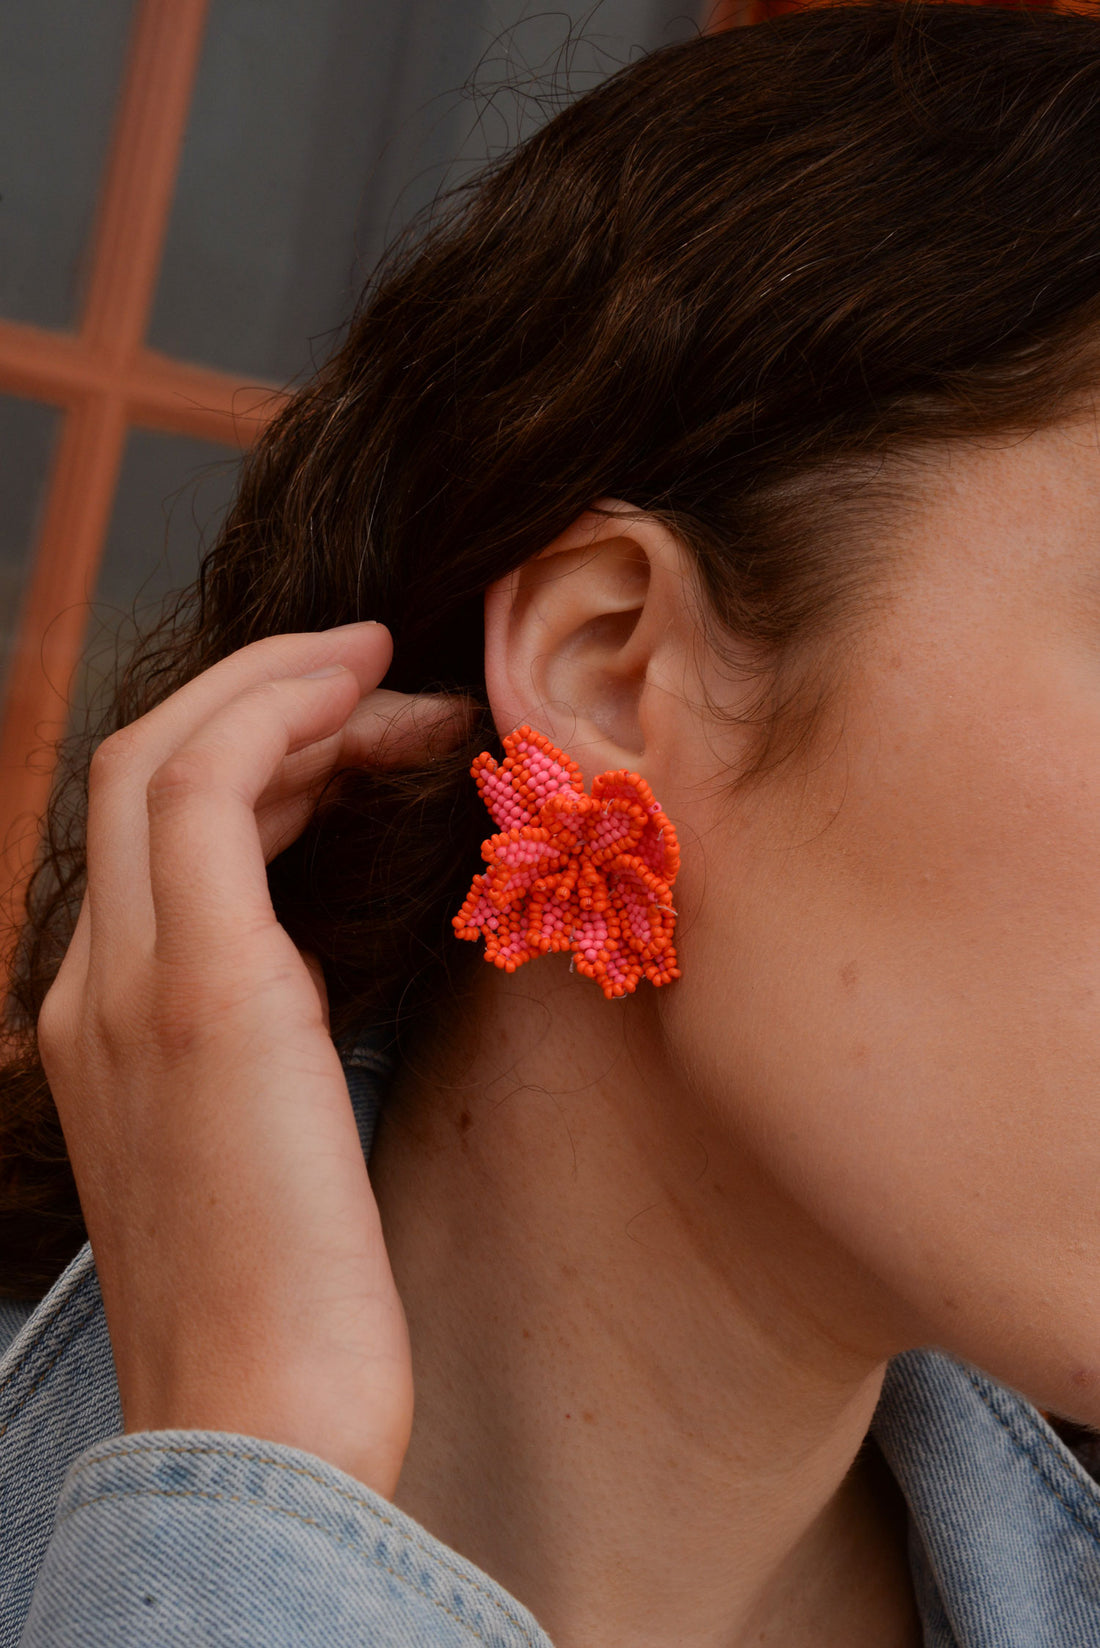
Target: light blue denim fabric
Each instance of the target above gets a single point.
(187, 1537)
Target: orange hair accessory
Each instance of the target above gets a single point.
(588, 873)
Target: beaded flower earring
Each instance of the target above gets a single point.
(588, 873)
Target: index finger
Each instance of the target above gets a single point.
(117, 841)
(365, 648)
(396, 729)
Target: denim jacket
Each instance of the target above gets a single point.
(206, 1537)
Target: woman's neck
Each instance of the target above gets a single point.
(642, 1383)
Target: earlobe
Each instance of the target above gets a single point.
(572, 635)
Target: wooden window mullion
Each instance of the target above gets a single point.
(125, 258)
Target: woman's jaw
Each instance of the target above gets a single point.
(890, 939)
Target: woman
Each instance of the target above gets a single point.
(738, 433)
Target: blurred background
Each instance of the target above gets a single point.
(191, 194)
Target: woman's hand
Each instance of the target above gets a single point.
(244, 1276)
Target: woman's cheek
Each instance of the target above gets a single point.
(900, 1009)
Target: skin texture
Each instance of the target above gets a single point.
(654, 1253)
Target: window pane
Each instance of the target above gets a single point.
(60, 70)
(319, 126)
(172, 495)
(27, 431)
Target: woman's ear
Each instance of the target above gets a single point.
(592, 640)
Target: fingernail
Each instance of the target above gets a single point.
(329, 669)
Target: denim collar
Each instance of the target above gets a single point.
(1004, 1529)
(1004, 1519)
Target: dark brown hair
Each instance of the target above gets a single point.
(723, 286)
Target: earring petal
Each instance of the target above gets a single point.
(589, 874)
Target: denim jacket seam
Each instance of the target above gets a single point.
(408, 1539)
(73, 1329)
(310, 1522)
(48, 1322)
(1044, 1477)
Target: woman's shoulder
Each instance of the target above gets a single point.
(105, 1536)
(58, 1396)
(13, 1314)
(109, 1537)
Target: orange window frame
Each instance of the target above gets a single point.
(105, 381)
